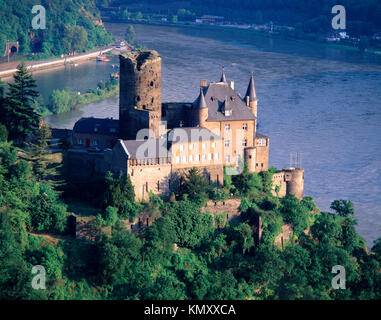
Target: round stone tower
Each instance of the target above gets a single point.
(250, 158)
(140, 93)
(295, 181)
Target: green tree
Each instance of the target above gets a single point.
(3, 133)
(43, 166)
(61, 101)
(343, 208)
(75, 39)
(194, 186)
(190, 225)
(110, 216)
(129, 35)
(247, 183)
(118, 192)
(20, 117)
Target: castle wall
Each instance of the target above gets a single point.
(230, 207)
(236, 136)
(88, 139)
(83, 166)
(155, 178)
(175, 113)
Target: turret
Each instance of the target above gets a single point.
(200, 110)
(250, 158)
(295, 181)
(223, 76)
(251, 99)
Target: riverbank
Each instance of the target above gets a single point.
(65, 100)
(247, 31)
(8, 69)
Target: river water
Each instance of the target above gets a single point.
(322, 102)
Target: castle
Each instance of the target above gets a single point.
(155, 142)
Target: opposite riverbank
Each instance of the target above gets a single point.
(248, 31)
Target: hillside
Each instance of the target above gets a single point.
(308, 16)
(71, 25)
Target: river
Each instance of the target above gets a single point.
(322, 102)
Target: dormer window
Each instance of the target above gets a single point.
(228, 113)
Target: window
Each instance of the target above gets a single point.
(95, 129)
(191, 146)
(203, 157)
(191, 158)
(261, 142)
(227, 143)
(227, 127)
(227, 159)
(210, 156)
(203, 145)
(158, 186)
(244, 142)
(213, 144)
(244, 127)
(80, 141)
(184, 159)
(94, 143)
(112, 130)
(197, 158)
(181, 147)
(216, 156)
(177, 159)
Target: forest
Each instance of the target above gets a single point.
(71, 26)
(185, 254)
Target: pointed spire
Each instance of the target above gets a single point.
(251, 90)
(223, 77)
(201, 102)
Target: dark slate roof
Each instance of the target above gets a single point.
(215, 95)
(251, 90)
(159, 148)
(200, 103)
(61, 133)
(223, 76)
(259, 135)
(191, 134)
(139, 149)
(97, 126)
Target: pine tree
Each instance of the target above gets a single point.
(43, 166)
(20, 117)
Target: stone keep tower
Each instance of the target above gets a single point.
(140, 93)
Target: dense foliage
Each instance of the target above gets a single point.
(70, 26)
(185, 252)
